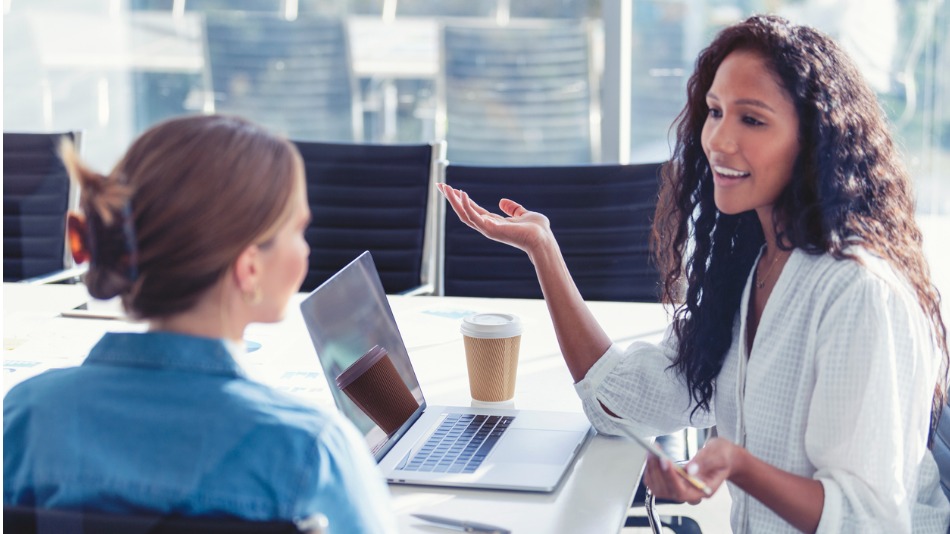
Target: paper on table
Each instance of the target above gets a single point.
(430, 324)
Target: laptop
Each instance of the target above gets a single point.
(357, 341)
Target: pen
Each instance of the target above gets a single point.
(462, 526)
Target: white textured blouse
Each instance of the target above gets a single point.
(837, 387)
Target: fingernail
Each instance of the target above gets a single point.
(664, 464)
(692, 468)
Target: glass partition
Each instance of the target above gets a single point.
(114, 67)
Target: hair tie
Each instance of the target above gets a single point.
(131, 253)
(113, 252)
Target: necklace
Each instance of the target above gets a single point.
(760, 280)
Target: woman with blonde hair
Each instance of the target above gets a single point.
(199, 230)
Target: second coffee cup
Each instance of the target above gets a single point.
(492, 342)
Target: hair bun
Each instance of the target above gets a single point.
(113, 252)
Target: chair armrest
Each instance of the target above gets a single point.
(424, 289)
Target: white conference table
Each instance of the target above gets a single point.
(593, 498)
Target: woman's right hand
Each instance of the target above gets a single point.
(523, 229)
(581, 339)
(713, 464)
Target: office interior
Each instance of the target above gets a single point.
(112, 68)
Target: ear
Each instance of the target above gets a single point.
(247, 269)
(76, 236)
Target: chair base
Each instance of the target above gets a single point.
(677, 524)
(656, 522)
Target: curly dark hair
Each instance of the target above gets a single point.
(848, 183)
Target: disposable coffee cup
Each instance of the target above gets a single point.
(373, 384)
(492, 342)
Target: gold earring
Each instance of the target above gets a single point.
(254, 297)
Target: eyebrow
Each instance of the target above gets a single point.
(745, 102)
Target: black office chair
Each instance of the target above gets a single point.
(293, 76)
(941, 449)
(36, 196)
(600, 214)
(29, 520)
(380, 198)
(602, 218)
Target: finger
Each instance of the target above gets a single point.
(456, 200)
(511, 208)
(477, 217)
(467, 205)
(472, 208)
(654, 477)
(480, 211)
(670, 484)
(446, 189)
(467, 215)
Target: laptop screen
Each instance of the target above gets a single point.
(363, 355)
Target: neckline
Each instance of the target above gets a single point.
(778, 291)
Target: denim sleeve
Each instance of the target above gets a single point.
(342, 481)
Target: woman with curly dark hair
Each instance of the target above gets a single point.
(809, 331)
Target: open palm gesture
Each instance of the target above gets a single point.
(520, 228)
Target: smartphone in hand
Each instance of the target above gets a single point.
(660, 453)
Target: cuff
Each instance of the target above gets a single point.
(830, 521)
(598, 372)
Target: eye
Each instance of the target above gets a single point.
(715, 113)
(752, 121)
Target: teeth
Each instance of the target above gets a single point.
(730, 172)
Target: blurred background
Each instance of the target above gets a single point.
(599, 80)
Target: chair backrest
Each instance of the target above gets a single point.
(941, 449)
(293, 76)
(28, 520)
(601, 216)
(36, 195)
(380, 198)
(520, 94)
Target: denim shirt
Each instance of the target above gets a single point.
(169, 424)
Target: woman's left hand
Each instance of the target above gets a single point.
(713, 464)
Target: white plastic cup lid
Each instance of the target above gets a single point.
(491, 325)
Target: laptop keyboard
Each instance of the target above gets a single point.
(460, 444)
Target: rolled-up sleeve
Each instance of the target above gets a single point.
(640, 386)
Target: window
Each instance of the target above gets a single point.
(114, 67)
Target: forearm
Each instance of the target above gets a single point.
(580, 336)
(796, 499)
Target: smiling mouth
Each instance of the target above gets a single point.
(726, 172)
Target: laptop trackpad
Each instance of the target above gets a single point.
(532, 446)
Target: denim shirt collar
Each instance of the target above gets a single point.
(167, 351)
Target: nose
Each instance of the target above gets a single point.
(721, 137)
